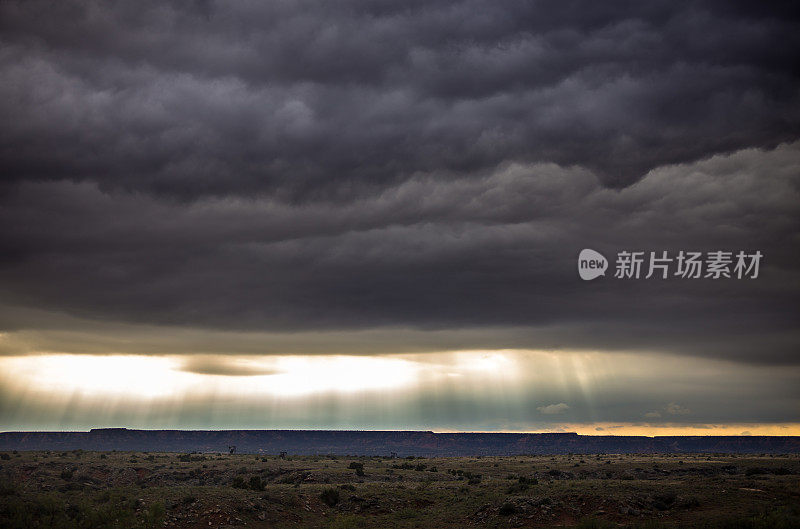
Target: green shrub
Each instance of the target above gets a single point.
(153, 516)
(664, 501)
(517, 488)
(49, 510)
(358, 467)
(330, 496)
(256, 483)
(7, 488)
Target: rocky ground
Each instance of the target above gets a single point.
(141, 490)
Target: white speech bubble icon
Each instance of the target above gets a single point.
(591, 264)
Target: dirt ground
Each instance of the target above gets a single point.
(140, 490)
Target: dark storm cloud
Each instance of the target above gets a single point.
(329, 100)
(210, 365)
(431, 166)
(498, 251)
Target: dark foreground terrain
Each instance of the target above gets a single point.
(144, 490)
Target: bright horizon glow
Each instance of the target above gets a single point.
(625, 429)
(148, 377)
(620, 430)
(152, 376)
(591, 393)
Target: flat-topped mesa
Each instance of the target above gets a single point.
(384, 443)
(107, 430)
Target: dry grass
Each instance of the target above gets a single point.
(117, 490)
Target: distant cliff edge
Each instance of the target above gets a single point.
(418, 443)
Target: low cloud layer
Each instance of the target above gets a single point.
(491, 258)
(553, 409)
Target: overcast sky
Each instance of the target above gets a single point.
(211, 180)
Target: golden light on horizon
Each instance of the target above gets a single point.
(481, 390)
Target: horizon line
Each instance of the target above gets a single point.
(467, 432)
